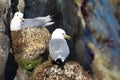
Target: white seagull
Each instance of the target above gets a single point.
(58, 47)
(18, 22)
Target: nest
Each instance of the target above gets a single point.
(30, 42)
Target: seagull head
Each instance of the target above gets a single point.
(16, 21)
(60, 33)
(18, 16)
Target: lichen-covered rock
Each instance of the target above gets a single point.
(71, 71)
(4, 50)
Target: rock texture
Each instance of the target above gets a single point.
(71, 71)
(4, 50)
(103, 67)
(101, 36)
(62, 12)
(94, 26)
(28, 45)
(4, 40)
(116, 8)
(21, 74)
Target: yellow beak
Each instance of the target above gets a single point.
(21, 19)
(67, 37)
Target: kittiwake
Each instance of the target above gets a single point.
(18, 22)
(58, 47)
(30, 38)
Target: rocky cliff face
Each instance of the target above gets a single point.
(94, 28)
(4, 50)
(102, 37)
(64, 13)
(4, 40)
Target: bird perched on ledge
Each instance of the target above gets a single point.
(58, 47)
(18, 22)
(29, 36)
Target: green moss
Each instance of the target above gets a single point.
(29, 65)
(76, 1)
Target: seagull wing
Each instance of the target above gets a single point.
(58, 47)
(36, 22)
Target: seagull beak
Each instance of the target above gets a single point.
(21, 19)
(67, 37)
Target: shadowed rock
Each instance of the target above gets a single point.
(4, 50)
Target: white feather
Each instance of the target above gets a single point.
(17, 23)
(58, 47)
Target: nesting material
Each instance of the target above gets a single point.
(30, 42)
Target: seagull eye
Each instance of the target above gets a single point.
(17, 15)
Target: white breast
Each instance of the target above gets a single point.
(15, 25)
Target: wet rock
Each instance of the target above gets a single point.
(71, 71)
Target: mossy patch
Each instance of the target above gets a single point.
(76, 1)
(29, 65)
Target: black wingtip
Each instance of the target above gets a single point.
(59, 63)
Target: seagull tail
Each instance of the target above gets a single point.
(60, 63)
(47, 18)
(48, 23)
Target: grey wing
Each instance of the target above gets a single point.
(36, 22)
(30, 23)
(58, 47)
(46, 20)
